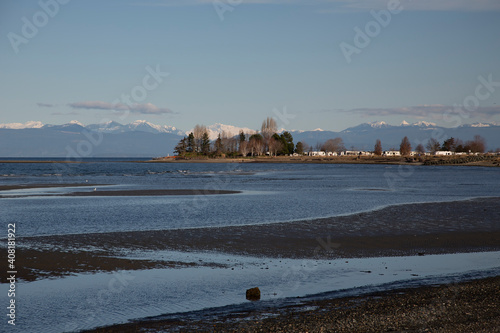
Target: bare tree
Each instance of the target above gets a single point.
(333, 145)
(256, 144)
(244, 148)
(433, 145)
(420, 149)
(229, 143)
(305, 147)
(405, 147)
(198, 132)
(268, 128)
(478, 145)
(378, 148)
(274, 146)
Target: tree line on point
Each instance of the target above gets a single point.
(477, 145)
(269, 142)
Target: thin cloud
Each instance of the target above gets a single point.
(73, 113)
(429, 111)
(46, 105)
(147, 108)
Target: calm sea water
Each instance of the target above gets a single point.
(269, 193)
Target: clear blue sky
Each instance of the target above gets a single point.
(237, 65)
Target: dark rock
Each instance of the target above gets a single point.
(253, 294)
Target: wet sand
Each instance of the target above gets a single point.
(411, 229)
(33, 186)
(100, 193)
(40, 264)
(105, 193)
(414, 229)
(471, 306)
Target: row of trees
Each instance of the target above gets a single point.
(477, 145)
(268, 141)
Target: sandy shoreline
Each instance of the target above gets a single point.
(150, 192)
(105, 193)
(400, 230)
(489, 160)
(51, 185)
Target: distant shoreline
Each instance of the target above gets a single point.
(484, 160)
(488, 161)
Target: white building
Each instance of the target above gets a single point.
(356, 153)
(317, 153)
(444, 153)
(392, 153)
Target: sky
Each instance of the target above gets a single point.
(328, 64)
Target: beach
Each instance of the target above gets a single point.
(459, 307)
(455, 307)
(419, 229)
(408, 266)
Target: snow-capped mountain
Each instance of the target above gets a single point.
(138, 125)
(145, 126)
(28, 124)
(229, 130)
(137, 139)
(482, 124)
(424, 124)
(367, 126)
(142, 138)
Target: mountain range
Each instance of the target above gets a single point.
(144, 139)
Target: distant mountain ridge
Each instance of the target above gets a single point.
(107, 127)
(363, 136)
(215, 129)
(144, 139)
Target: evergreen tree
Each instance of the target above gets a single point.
(287, 140)
(180, 149)
(299, 148)
(190, 143)
(449, 145)
(242, 136)
(205, 144)
(218, 145)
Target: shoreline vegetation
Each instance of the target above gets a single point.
(486, 160)
(492, 160)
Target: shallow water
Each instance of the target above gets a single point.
(270, 193)
(110, 298)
